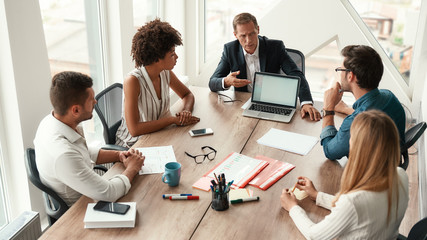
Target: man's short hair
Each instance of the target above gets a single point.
(365, 63)
(244, 18)
(68, 89)
(152, 41)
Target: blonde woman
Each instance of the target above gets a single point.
(373, 195)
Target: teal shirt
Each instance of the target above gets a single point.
(336, 143)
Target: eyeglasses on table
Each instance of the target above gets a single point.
(201, 157)
(228, 97)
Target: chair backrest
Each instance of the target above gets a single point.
(109, 110)
(411, 136)
(298, 58)
(54, 204)
(419, 230)
(414, 133)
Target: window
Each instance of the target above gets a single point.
(3, 209)
(144, 11)
(320, 68)
(394, 24)
(219, 16)
(73, 40)
(73, 37)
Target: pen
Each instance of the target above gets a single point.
(227, 188)
(216, 178)
(170, 195)
(244, 200)
(293, 189)
(184, 197)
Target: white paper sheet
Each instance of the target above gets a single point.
(156, 158)
(288, 141)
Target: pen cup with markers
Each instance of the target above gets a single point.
(220, 200)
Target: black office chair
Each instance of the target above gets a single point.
(418, 231)
(53, 204)
(411, 136)
(298, 58)
(109, 110)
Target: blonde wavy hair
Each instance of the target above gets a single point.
(373, 158)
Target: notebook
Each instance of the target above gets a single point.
(272, 173)
(98, 219)
(274, 97)
(237, 167)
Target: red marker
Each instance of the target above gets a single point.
(184, 197)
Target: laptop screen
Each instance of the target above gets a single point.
(275, 89)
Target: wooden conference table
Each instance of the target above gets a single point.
(159, 218)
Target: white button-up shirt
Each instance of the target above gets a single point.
(252, 65)
(65, 164)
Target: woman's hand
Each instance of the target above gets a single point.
(288, 199)
(306, 185)
(185, 118)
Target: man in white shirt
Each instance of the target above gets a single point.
(64, 161)
(251, 53)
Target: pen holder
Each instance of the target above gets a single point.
(220, 201)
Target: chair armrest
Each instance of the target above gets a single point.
(114, 147)
(100, 167)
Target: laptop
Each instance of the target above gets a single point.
(274, 97)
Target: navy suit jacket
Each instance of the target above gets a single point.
(272, 57)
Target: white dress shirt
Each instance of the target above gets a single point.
(252, 66)
(66, 164)
(356, 215)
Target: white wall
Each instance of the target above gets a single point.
(24, 84)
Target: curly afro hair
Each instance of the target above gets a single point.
(153, 41)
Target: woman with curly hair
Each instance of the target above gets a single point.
(373, 195)
(146, 89)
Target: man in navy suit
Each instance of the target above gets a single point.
(252, 53)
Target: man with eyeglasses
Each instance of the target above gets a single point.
(360, 74)
(252, 53)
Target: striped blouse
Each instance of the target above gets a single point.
(149, 105)
(356, 215)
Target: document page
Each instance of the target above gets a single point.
(288, 141)
(156, 158)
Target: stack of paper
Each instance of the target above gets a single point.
(156, 158)
(240, 193)
(288, 141)
(99, 219)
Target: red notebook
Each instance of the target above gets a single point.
(235, 166)
(271, 174)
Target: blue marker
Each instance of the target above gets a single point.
(172, 195)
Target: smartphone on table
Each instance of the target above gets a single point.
(200, 132)
(111, 207)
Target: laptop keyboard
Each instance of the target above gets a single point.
(270, 109)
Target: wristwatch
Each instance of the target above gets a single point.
(326, 112)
